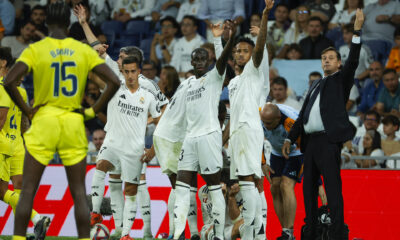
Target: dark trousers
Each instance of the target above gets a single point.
(323, 158)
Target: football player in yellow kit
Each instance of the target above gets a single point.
(60, 66)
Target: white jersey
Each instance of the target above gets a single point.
(182, 54)
(127, 119)
(206, 206)
(246, 94)
(143, 81)
(202, 103)
(172, 125)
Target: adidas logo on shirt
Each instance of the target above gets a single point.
(122, 96)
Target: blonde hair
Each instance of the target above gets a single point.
(297, 24)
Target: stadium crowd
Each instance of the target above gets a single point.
(168, 31)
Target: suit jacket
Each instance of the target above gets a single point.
(334, 93)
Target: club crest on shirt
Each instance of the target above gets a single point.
(142, 100)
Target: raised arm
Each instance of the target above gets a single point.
(217, 30)
(258, 51)
(223, 59)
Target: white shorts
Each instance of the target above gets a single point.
(246, 145)
(167, 154)
(202, 154)
(128, 165)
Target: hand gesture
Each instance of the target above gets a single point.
(234, 190)
(232, 29)
(80, 13)
(286, 149)
(254, 30)
(267, 175)
(269, 4)
(217, 29)
(147, 156)
(359, 20)
(101, 48)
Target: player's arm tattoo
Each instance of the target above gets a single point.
(258, 52)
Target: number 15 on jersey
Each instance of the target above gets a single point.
(64, 76)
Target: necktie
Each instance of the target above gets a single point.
(310, 103)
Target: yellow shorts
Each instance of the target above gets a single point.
(4, 167)
(17, 161)
(57, 130)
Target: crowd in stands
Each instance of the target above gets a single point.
(298, 30)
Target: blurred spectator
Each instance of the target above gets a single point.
(311, 78)
(344, 16)
(391, 144)
(351, 105)
(365, 54)
(294, 52)
(277, 30)
(316, 42)
(279, 93)
(389, 97)
(380, 21)
(189, 7)
(76, 30)
(2, 30)
(164, 8)
(324, 9)
(394, 56)
(92, 93)
(169, 81)
(297, 31)
(212, 12)
(97, 140)
(372, 147)
(371, 122)
(163, 44)
(125, 10)
(38, 17)
(185, 45)
(372, 89)
(149, 70)
(100, 10)
(255, 21)
(22, 41)
(211, 53)
(7, 16)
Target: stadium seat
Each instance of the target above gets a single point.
(145, 45)
(112, 30)
(380, 49)
(202, 28)
(141, 28)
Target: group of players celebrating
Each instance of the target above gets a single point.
(188, 138)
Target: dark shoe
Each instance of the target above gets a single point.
(307, 233)
(286, 236)
(41, 228)
(195, 237)
(182, 236)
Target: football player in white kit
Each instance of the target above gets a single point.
(124, 143)
(115, 183)
(246, 134)
(202, 147)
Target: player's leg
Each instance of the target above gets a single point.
(76, 180)
(277, 164)
(30, 183)
(171, 205)
(259, 226)
(192, 217)
(129, 208)
(188, 166)
(117, 201)
(289, 204)
(264, 208)
(210, 162)
(237, 226)
(98, 186)
(145, 204)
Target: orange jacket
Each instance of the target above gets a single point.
(394, 59)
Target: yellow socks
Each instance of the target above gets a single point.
(19, 238)
(12, 197)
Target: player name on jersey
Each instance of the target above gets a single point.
(62, 51)
(195, 94)
(130, 109)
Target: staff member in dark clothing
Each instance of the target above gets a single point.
(323, 125)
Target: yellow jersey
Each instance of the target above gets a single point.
(10, 134)
(60, 68)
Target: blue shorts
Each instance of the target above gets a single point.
(291, 168)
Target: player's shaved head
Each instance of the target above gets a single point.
(270, 115)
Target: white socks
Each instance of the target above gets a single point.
(171, 205)
(144, 203)
(97, 189)
(117, 201)
(181, 209)
(264, 210)
(259, 230)
(129, 214)
(192, 217)
(218, 210)
(249, 208)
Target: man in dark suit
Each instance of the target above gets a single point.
(323, 125)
